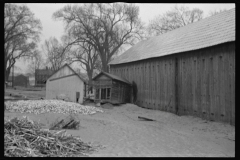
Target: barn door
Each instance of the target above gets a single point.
(77, 96)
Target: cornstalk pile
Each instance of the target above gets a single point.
(25, 138)
(54, 106)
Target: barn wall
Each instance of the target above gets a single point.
(199, 83)
(68, 86)
(120, 92)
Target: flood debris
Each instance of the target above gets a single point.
(25, 138)
(146, 119)
(68, 122)
(53, 106)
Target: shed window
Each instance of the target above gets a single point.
(104, 92)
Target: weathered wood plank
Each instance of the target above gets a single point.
(227, 89)
(203, 84)
(171, 85)
(207, 87)
(145, 84)
(192, 85)
(222, 87)
(150, 84)
(157, 86)
(232, 68)
(167, 84)
(211, 81)
(179, 85)
(198, 89)
(182, 87)
(187, 85)
(216, 88)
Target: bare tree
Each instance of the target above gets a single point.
(21, 32)
(88, 58)
(36, 62)
(56, 52)
(211, 13)
(106, 27)
(177, 17)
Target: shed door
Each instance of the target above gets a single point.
(77, 96)
(103, 93)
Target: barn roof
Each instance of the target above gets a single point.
(112, 77)
(217, 29)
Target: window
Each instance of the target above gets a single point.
(105, 93)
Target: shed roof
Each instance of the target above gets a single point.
(207, 32)
(112, 77)
(78, 75)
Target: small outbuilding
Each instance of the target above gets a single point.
(111, 88)
(65, 84)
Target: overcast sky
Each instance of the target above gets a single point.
(148, 11)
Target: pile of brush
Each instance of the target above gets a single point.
(26, 138)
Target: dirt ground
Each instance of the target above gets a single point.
(29, 93)
(124, 135)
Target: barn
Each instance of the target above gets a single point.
(187, 71)
(65, 84)
(111, 88)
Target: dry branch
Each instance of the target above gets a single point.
(25, 138)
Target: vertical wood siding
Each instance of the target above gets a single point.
(205, 82)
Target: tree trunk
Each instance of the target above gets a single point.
(104, 65)
(7, 73)
(103, 57)
(89, 73)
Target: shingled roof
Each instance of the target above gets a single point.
(112, 77)
(207, 32)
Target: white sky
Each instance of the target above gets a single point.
(147, 11)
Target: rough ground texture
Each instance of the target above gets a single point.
(29, 93)
(124, 135)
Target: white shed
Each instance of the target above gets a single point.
(66, 83)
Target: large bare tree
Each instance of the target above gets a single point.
(173, 19)
(21, 33)
(36, 62)
(56, 51)
(106, 27)
(88, 58)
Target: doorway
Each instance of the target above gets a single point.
(77, 96)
